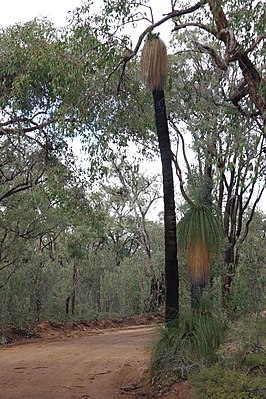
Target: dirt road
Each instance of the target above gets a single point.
(101, 366)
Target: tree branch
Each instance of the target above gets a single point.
(219, 61)
(196, 25)
(251, 215)
(236, 52)
(27, 129)
(181, 182)
(256, 42)
(172, 14)
(183, 143)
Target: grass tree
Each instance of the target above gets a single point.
(154, 66)
(199, 240)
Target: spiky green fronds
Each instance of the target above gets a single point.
(154, 63)
(199, 240)
(187, 342)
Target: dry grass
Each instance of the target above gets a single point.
(154, 63)
(198, 258)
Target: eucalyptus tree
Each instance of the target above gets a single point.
(229, 147)
(38, 72)
(133, 194)
(49, 92)
(228, 39)
(45, 232)
(54, 85)
(248, 286)
(139, 192)
(43, 83)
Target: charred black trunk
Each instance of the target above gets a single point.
(171, 264)
(67, 305)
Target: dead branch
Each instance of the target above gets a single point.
(181, 181)
(172, 14)
(183, 144)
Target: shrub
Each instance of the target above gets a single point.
(245, 347)
(185, 345)
(219, 383)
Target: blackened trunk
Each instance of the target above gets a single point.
(171, 264)
(67, 305)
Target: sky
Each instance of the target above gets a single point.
(13, 11)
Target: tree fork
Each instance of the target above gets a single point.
(250, 73)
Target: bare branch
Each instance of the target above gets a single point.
(22, 119)
(256, 42)
(252, 214)
(196, 25)
(181, 182)
(183, 144)
(151, 12)
(8, 278)
(27, 129)
(173, 14)
(173, 4)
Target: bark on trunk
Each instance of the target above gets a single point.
(157, 294)
(72, 296)
(250, 73)
(227, 275)
(171, 264)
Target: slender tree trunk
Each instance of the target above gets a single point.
(228, 269)
(171, 264)
(67, 305)
(38, 308)
(157, 293)
(72, 297)
(229, 266)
